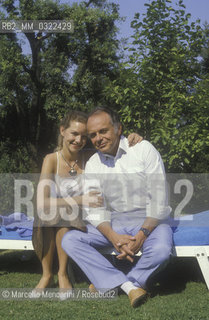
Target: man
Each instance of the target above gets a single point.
(132, 182)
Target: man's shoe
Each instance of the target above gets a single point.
(137, 297)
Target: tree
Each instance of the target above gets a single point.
(158, 89)
(205, 50)
(64, 70)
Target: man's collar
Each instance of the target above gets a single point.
(122, 148)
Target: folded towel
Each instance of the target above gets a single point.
(14, 217)
(191, 230)
(18, 222)
(200, 219)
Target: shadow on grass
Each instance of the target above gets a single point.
(23, 261)
(172, 279)
(175, 276)
(19, 261)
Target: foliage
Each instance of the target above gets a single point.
(64, 70)
(160, 89)
(15, 158)
(205, 50)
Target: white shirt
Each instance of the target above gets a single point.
(132, 181)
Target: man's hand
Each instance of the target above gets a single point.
(119, 241)
(126, 253)
(133, 246)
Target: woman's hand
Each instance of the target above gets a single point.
(134, 138)
(93, 199)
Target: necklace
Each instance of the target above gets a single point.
(72, 171)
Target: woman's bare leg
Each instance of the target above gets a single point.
(47, 260)
(63, 278)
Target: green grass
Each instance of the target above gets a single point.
(179, 293)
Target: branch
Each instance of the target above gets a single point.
(88, 3)
(40, 37)
(26, 69)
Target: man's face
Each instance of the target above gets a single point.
(103, 134)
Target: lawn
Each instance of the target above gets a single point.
(179, 293)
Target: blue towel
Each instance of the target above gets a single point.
(200, 219)
(191, 230)
(12, 218)
(18, 222)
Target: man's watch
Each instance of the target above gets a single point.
(145, 231)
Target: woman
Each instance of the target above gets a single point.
(64, 192)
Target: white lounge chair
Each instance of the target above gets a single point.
(191, 239)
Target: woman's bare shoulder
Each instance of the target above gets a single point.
(50, 163)
(51, 156)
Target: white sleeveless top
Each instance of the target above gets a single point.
(64, 187)
(68, 186)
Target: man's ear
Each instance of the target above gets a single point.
(62, 130)
(120, 129)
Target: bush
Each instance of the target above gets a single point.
(15, 162)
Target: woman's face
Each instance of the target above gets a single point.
(75, 136)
